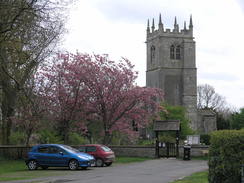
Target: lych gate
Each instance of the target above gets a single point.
(163, 149)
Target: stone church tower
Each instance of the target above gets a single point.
(171, 65)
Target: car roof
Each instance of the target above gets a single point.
(59, 145)
(88, 145)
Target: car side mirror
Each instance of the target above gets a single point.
(61, 153)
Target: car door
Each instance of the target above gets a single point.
(57, 156)
(42, 155)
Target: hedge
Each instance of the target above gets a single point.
(205, 139)
(226, 154)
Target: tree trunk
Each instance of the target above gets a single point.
(7, 113)
(65, 131)
(6, 129)
(107, 138)
(29, 133)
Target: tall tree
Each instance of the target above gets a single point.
(208, 98)
(29, 30)
(30, 111)
(237, 120)
(95, 88)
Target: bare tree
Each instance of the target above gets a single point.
(29, 32)
(208, 98)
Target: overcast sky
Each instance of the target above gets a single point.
(118, 28)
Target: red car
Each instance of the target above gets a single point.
(103, 154)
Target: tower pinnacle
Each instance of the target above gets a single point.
(148, 26)
(175, 21)
(176, 26)
(160, 24)
(191, 25)
(153, 26)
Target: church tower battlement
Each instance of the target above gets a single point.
(152, 32)
(171, 65)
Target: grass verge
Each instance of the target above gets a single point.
(199, 177)
(17, 170)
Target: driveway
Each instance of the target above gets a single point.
(153, 171)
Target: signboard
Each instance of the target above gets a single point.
(193, 139)
(167, 125)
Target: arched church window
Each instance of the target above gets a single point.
(177, 52)
(172, 52)
(152, 53)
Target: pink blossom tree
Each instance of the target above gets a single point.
(84, 88)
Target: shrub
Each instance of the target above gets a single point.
(48, 137)
(76, 139)
(146, 142)
(226, 154)
(177, 113)
(205, 139)
(167, 138)
(17, 138)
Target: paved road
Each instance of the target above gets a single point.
(152, 171)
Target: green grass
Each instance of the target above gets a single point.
(199, 177)
(200, 158)
(17, 170)
(11, 166)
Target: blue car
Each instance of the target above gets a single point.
(57, 155)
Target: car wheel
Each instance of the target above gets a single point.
(44, 167)
(32, 165)
(99, 162)
(108, 164)
(73, 164)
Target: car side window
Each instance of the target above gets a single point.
(53, 150)
(42, 149)
(91, 149)
(63, 151)
(82, 149)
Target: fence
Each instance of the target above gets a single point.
(20, 152)
(14, 152)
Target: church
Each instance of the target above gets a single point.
(171, 66)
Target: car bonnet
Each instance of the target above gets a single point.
(86, 155)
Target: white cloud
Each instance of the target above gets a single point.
(119, 29)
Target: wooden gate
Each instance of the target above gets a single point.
(167, 150)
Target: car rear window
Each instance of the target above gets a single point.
(91, 149)
(106, 149)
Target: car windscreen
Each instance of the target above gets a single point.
(70, 149)
(106, 149)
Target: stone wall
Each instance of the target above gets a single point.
(196, 150)
(20, 152)
(134, 151)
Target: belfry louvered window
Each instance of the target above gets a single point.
(175, 52)
(172, 52)
(177, 55)
(152, 53)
